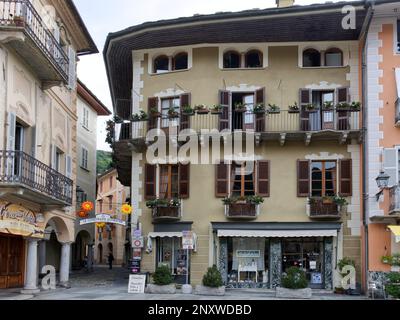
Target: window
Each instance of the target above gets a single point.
(254, 59)
(242, 181)
(101, 205)
(231, 60)
(58, 160)
(111, 182)
(311, 58)
(166, 105)
(85, 118)
(398, 35)
(110, 202)
(101, 186)
(323, 178)
(84, 158)
(161, 64)
(333, 57)
(180, 61)
(169, 181)
(170, 253)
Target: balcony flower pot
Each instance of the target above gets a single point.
(285, 293)
(202, 109)
(155, 113)
(240, 108)
(310, 108)
(343, 107)
(259, 109)
(209, 291)
(294, 108)
(293, 111)
(173, 115)
(216, 110)
(157, 289)
(19, 21)
(188, 111)
(274, 109)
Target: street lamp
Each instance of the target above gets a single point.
(382, 180)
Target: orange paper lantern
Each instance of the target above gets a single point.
(126, 209)
(100, 225)
(87, 206)
(82, 214)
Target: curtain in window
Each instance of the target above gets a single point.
(163, 182)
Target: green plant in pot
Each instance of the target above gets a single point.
(141, 116)
(118, 119)
(311, 107)
(162, 276)
(393, 284)
(155, 113)
(294, 108)
(240, 107)
(188, 110)
(355, 106)
(295, 278)
(273, 108)
(202, 109)
(340, 201)
(213, 278)
(173, 113)
(387, 260)
(216, 109)
(342, 106)
(256, 200)
(327, 106)
(259, 108)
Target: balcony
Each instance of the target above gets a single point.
(22, 28)
(321, 209)
(242, 211)
(27, 178)
(394, 202)
(166, 214)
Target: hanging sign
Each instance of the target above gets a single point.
(137, 283)
(138, 242)
(187, 240)
(103, 218)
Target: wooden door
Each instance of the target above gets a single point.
(11, 262)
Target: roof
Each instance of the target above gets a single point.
(92, 100)
(105, 173)
(318, 22)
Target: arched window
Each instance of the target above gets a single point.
(180, 61)
(254, 59)
(333, 57)
(161, 64)
(231, 60)
(311, 58)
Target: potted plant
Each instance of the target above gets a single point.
(256, 200)
(259, 108)
(340, 201)
(387, 260)
(216, 109)
(311, 108)
(162, 279)
(273, 108)
(327, 106)
(213, 285)
(393, 285)
(294, 285)
(187, 111)
(154, 113)
(355, 106)
(141, 116)
(172, 113)
(240, 108)
(294, 108)
(342, 106)
(19, 21)
(327, 200)
(118, 119)
(202, 109)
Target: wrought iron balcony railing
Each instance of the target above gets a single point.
(162, 213)
(21, 14)
(18, 169)
(319, 208)
(242, 211)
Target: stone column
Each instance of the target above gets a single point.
(65, 264)
(276, 263)
(42, 255)
(328, 253)
(223, 259)
(31, 279)
(90, 257)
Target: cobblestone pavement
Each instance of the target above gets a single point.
(104, 284)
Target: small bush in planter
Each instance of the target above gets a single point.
(213, 278)
(393, 285)
(162, 276)
(295, 279)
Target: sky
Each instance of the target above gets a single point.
(104, 16)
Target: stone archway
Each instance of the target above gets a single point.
(80, 249)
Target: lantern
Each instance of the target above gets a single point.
(82, 214)
(87, 206)
(126, 209)
(382, 180)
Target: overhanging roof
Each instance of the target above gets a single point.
(92, 100)
(319, 22)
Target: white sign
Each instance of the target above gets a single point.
(187, 240)
(103, 218)
(137, 233)
(248, 253)
(138, 242)
(137, 283)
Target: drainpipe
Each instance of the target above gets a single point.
(369, 4)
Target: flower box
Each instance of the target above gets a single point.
(209, 291)
(155, 289)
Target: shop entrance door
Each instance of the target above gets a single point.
(11, 262)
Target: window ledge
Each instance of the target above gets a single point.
(169, 72)
(324, 67)
(85, 169)
(242, 69)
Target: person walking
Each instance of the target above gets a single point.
(110, 260)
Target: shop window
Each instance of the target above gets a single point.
(161, 64)
(169, 181)
(231, 60)
(180, 61)
(334, 57)
(323, 178)
(311, 58)
(242, 181)
(254, 59)
(166, 105)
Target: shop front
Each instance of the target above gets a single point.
(257, 255)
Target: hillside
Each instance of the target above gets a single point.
(104, 161)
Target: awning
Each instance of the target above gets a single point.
(396, 232)
(277, 233)
(153, 235)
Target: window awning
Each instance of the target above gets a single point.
(277, 233)
(397, 75)
(396, 232)
(165, 234)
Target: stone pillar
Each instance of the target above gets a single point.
(90, 257)
(328, 254)
(276, 263)
(65, 264)
(42, 255)
(31, 279)
(223, 259)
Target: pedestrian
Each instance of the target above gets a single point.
(85, 264)
(110, 260)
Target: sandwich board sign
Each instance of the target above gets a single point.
(137, 283)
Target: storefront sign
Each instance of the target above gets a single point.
(187, 240)
(17, 220)
(137, 284)
(135, 266)
(248, 253)
(137, 233)
(103, 218)
(137, 254)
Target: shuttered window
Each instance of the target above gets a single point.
(152, 105)
(390, 165)
(222, 180)
(243, 183)
(263, 178)
(345, 178)
(224, 101)
(185, 119)
(174, 181)
(150, 181)
(303, 178)
(184, 181)
(323, 178)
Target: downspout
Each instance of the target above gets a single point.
(369, 4)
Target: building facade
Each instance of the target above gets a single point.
(111, 238)
(40, 45)
(254, 212)
(89, 109)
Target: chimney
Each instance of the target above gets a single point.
(284, 3)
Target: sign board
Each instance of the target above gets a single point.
(103, 218)
(137, 233)
(137, 254)
(137, 283)
(138, 242)
(135, 266)
(187, 240)
(248, 253)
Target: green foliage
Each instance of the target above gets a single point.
(393, 285)
(294, 107)
(188, 110)
(295, 278)
(248, 199)
(162, 276)
(259, 108)
(156, 203)
(346, 261)
(104, 161)
(393, 260)
(141, 116)
(274, 108)
(213, 278)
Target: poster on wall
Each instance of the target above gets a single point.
(187, 240)
(18, 220)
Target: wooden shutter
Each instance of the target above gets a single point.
(152, 103)
(345, 178)
(184, 181)
(305, 99)
(72, 68)
(260, 118)
(263, 178)
(303, 178)
(390, 165)
(53, 155)
(12, 123)
(150, 181)
(224, 101)
(222, 180)
(343, 117)
(185, 119)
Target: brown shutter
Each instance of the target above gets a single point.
(260, 118)
(184, 181)
(222, 180)
(263, 178)
(303, 178)
(305, 99)
(152, 103)
(224, 101)
(345, 178)
(343, 117)
(185, 120)
(150, 181)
